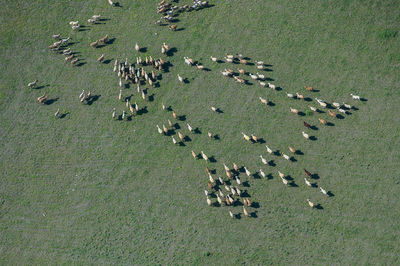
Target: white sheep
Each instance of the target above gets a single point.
(255, 77)
(272, 86)
(189, 127)
(180, 78)
(290, 95)
(355, 97)
(111, 2)
(237, 180)
(73, 23)
(263, 160)
(285, 156)
(305, 135)
(348, 106)
(32, 84)
(307, 182)
(173, 140)
(247, 172)
(159, 130)
(268, 149)
(57, 113)
(336, 104)
(312, 108)
(123, 115)
(214, 59)
(262, 173)
(231, 214)
(323, 191)
(76, 27)
(260, 76)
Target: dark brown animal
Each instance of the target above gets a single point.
(210, 185)
(307, 173)
(307, 125)
(173, 27)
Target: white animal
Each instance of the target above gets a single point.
(355, 97)
(285, 156)
(305, 135)
(120, 82)
(57, 113)
(159, 130)
(221, 180)
(263, 83)
(260, 63)
(231, 214)
(214, 59)
(123, 115)
(190, 128)
(341, 110)
(82, 94)
(336, 104)
(76, 27)
(174, 140)
(209, 201)
(220, 193)
(272, 86)
(348, 106)
(247, 172)
(307, 182)
(213, 108)
(323, 191)
(263, 160)
(313, 108)
(56, 36)
(290, 95)
(206, 192)
(73, 23)
(268, 149)
(253, 76)
(260, 76)
(32, 84)
(226, 167)
(262, 173)
(114, 114)
(111, 2)
(180, 78)
(91, 20)
(237, 180)
(96, 17)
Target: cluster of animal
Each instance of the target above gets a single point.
(170, 11)
(136, 73)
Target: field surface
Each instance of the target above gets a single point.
(87, 189)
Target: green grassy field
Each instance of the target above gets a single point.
(86, 189)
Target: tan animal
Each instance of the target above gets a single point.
(292, 150)
(322, 121)
(294, 111)
(312, 205)
(194, 154)
(94, 44)
(173, 27)
(331, 113)
(245, 212)
(101, 58)
(308, 88)
(104, 39)
(180, 135)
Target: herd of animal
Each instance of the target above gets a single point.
(146, 73)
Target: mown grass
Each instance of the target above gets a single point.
(87, 189)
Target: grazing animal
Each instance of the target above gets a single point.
(243, 61)
(137, 48)
(111, 2)
(101, 58)
(355, 97)
(209, 201)
(214, 108)
(204, 156)
(242, 71)
(342, 110)
(73, 62)
(285, 181)
(305, 135)
(235, 167)
(174, 140)
(228, 174)
(219, 200)
(194, 154)
(313, 108)
(307, 125)
(32, 84)
(307, 182)
(336, 104)
(268, 149)
(299, 96)
(263, 160)
(57, 113)
(253, 76)
(42, 99)
(206, 192)
(214, 59)
(120, 95)
(120, 82)
(307, 173)
(246, 137)
(331, 113)
(180, 78)
(173, 27)
(180, 135)
(165, 129)
(199, 66)
(73, 23)
(281, 175)
(104, 40)
(260, 67)
(221, 181)
(170, 123)
(294, 111)
(56, 36)
(254, 138)
(123, 115)
(272, 86)
(323, 191)
(322, 121)
(174, 115)
(311, 204)
(348, 106)
(247, 172)
(209, 134)
(94, 44)
(292, 150)
(231, 214)
(323, 104)
(237, 180)
(189, 127)
(286, 156)
(290, 95)
(309, 88)
(227, 201)
(245, 212)
(159, 130)
(262, 173)
(114, 114)
(220, 193)
(264, 101)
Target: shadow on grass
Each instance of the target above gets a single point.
(51, 101)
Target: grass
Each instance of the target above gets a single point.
(87, 189)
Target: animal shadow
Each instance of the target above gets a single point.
(219, 111)
(293, 184)
(246, 184)
(93, 99)
(313, 138)
(307, 99)
(107, 61)
(339, 116)
(182, 117)
(64, 115)
(299, 152)
(330, 124)
(261, 140)
(111, 41)
(187, 139)
(270, 103)
(330, 194)
(314, 128)
(292, 159)
(171, 51)
(212, 159)
(182, 144)
(319, 207)
(269, 176)
(256, 175)
(272, 163)
(315, 176)
(253, 214)
(197, 130)
(143, 111)
(143, 49)
(176, 126)
(363, 99)
(151, 97)
(51, 101)
(41, 87)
